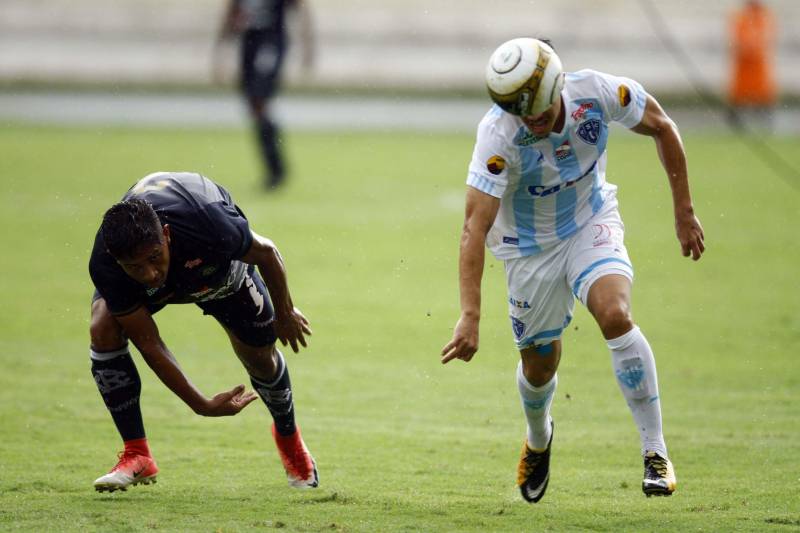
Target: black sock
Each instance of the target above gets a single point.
(269, 141)
(277, 396)
(120, 386)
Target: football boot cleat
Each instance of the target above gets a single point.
(131, 469)
(533, 472)
(301, 470)
(659, 476)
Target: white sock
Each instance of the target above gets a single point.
(536, 403)
(635, 368)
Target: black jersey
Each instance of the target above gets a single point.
(265, 15)
(208, 234)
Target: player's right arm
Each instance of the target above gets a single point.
(141, 329)
(481, 210)
(232, 21)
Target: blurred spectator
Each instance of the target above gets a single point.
(261, 26)
(753, 89)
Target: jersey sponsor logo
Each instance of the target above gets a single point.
(202, 292)
(510, 240)
(589, 131)
(624, 95)
(581, 111)
(518, 326)
(541, 190)
(563, 151)
(496, 164)
(192, 263)
(519, 304)
(527, 139)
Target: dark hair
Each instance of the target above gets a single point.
(129, 225)
(548, 42)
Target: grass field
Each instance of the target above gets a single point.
(369, 228)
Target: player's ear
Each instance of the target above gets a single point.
(165, 230)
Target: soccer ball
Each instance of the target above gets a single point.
(524, 76)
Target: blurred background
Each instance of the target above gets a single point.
(378, 134)
(391, 49)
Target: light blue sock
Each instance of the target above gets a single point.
(635, 368)
(536, 403)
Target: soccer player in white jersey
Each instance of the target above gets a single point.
(538, 198)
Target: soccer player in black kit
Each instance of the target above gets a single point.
(262, 27)
(179, 238)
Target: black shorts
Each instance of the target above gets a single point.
(247, 313)
(262, 58)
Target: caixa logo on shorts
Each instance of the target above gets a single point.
(518, 326)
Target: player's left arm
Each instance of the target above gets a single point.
(290, 324)
(656, 124)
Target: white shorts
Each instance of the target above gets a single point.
(542, 287)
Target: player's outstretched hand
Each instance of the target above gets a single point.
(228, 403)
(291, 329)
(690, 234)
(464, 343)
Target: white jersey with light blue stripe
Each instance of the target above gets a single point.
(549, 187)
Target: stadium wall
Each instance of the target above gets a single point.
(420, 45)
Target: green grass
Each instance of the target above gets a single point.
(369, 229)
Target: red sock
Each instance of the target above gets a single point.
(137, 446)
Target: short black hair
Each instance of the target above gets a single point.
(129, 225)
(548, 42)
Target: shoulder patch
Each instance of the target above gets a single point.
(496, 164)
(624, 95)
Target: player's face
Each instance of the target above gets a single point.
(543, 123)
(149, 264)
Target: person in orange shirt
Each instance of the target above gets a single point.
(753, 84)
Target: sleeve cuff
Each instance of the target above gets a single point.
(484, 184)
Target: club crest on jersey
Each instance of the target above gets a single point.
(207, 271)
(624, 95)
(589, 131)
(496, 164)
(518, 326)
(563, 151)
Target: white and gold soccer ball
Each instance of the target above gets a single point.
(524, 76)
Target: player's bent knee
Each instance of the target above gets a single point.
(540, 363)
(260, 362)
(105, 332)
(614, 320)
